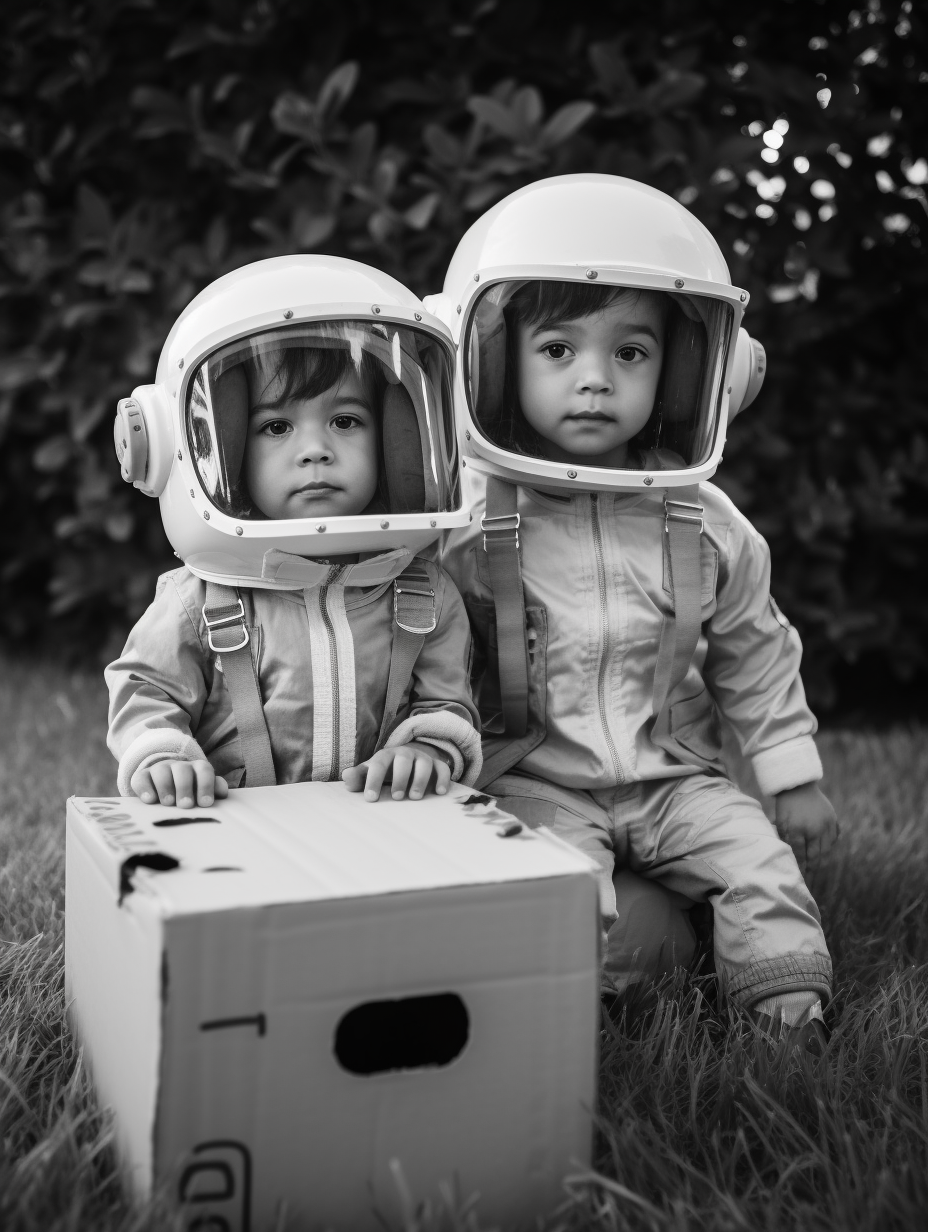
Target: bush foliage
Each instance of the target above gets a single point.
(148, 146)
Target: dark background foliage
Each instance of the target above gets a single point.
(148, 146)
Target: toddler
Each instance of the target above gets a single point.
(299, 430)
(644, 609)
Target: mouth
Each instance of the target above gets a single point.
(590, 417)
(316, 489)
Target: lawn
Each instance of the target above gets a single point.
(697, 1131)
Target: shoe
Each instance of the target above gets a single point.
(806, 1038)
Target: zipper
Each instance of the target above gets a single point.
(333, 669)
(604, 633)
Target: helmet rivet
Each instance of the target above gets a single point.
(191, 492)
(180, 364)
(137, 428)
(476, 277)
(467, 436)
(374, 308)
(729, 389)
(384, 525)
(678, 282)
(648, 481)
(743, 296)
(433, 522)
(206, 514)
(288, 314)
(459, 307)
(180, 456)
(591, 274)
(238, 530)
(571, 474)
(418, 316)
(321, 527)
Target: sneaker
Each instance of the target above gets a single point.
(806, 1038)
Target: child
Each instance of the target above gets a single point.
(592, 392)
(351, 665)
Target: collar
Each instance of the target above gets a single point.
(302, 572)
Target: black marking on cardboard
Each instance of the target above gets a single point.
(410, 1033)
(184, 821)
(165, 977)
(254, 1020)
(222, 868)
(477, 799)
(510, 831)
(157, 861)
(230, 1170)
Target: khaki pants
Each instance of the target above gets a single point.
(700, 839)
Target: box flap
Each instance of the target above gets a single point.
(310, 841)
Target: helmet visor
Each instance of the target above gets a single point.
(606, 375)
(325, 419)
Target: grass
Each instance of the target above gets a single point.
(695, 1130)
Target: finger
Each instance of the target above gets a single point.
(442, 777)
(376, 773)
(143, 787)
(402, 768)
(421, 776)
(204, 781)
(222, 787)
(813, 853)
(162, 777)
(184, 784)
(354, 776)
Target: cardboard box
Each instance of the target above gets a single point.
(280, 995)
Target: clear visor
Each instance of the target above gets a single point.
(331, 418)
(602, 374)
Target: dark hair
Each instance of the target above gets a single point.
(544, 304)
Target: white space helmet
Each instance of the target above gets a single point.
(263, 371)
(564, 248)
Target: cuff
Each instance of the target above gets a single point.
(448, 732)
(787, 765)
(154, 745)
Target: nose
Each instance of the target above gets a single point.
(595, 375)
(314, 447)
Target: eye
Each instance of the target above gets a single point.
(275, 427)
(555, 350)
(345, 423)
(628, 354)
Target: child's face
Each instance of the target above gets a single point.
(315, 457)
(588, 385)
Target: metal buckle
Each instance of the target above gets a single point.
(513, 520)
(226, 620)
(689, 519)
(423, 594)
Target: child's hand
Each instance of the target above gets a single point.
(184, 783)
(421, 761)
(806, 820)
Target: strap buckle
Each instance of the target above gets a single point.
(678, 513)
(423, 590)
(222, 621)
(510, 523)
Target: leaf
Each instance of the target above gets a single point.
(309, 229)
(94, 223)
(295, 115)
(495, 116)
(337, 88)
(565, 122)
(52, 454)
(445, 149)
(528, 106)
(419, 216)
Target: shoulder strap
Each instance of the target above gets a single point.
(500, 526)
(414, 618)
(227, 632)
(683, 525)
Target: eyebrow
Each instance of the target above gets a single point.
(556, 325)
(339, 401)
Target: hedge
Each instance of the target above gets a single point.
(148, 146)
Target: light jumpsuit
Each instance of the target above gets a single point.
(322, 652)
(596, 579)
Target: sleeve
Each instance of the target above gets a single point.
(158, 687)
(441, 710)
(752, 668)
